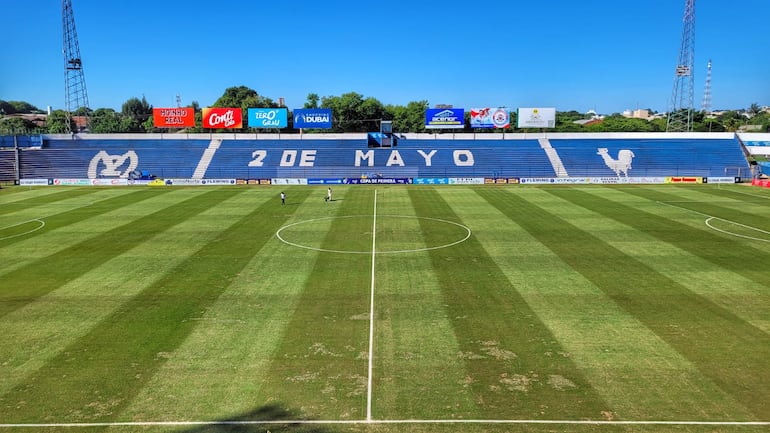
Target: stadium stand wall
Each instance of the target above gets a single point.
(264, 156)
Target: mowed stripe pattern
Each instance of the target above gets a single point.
(586, 303)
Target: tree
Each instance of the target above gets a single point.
(312, 100)
(731, 120)
(106, 121)
(6, 108)
(244, 98)
(409, 118)
(25, 107)
(135, 112)
(57, 123)
(352, 113)
(754, 109)
(17, 126)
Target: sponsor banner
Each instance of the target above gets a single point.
(267, 118)
(313, 118)
(592, 180)
(490, 118)
(173, 117)
(157, 182)
(724, 179)
(444, 118)
(466, 180)
(536, 117)
(337, 181)
(218, 181)
(222, 118)
(431, 181)
(196, 182)
(140, 181)
(513, 180)
(35, 182)
(761, 182)
(624, 180)
(378, 180)
(108, 182)
(288, 181)
(71, 182)
(183, 182)
(536, 180)
(252, 181)
(684, 179)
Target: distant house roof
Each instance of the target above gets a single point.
(587, 122)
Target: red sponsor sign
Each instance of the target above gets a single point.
(173, 117)
(761, 182)
(222, 118)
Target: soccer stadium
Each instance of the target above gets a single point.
(545, 282)
(246, 268)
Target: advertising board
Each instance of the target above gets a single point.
(444, 118)
(267, 118)
(180, 117)
(313, 118)
(536, 118)
(222, 118)
(498, 118)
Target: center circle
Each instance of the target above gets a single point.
(392, 231)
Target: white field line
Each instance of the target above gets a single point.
(399, 421)
(709, 218)
(371, 314)
(40, 226)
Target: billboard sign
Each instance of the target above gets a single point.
(536, 118)
(490, 118)
(444, 118)
(180, 117)
(313, 118)
(222, 118)
(267, 117)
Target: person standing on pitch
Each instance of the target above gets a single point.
(328, 194)
(283, 198)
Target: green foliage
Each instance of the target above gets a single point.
(135, 113)
(409, 118)
(244, 98)
(57, 123)
(352, 112)
(106, 121)
(312, 100)
(17, 126)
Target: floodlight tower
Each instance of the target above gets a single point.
(707, 90)
(680, 111)
(75, 95)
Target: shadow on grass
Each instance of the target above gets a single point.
(275, 414)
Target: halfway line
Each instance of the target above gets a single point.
(371, 315)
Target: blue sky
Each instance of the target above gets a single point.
(607, 55)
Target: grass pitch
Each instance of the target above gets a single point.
(527, 309)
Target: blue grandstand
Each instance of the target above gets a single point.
(267, 156)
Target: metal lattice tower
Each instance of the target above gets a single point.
(707, 90)
(680, 112)
(75, 95)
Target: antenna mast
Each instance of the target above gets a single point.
(680, 112)
(707, 91)
(75, 95)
